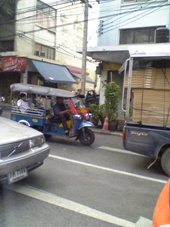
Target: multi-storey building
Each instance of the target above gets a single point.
(125, 23)
(38, 45)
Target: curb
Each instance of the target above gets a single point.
(106, 132)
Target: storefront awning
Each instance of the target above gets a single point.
(74, 69)
(54, 73)
(88, 79)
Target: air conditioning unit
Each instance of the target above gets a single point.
(42, 54)
(162, 35)
(37, 53)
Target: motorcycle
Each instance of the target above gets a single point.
(42, 118)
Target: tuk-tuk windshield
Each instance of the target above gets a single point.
(78, 103)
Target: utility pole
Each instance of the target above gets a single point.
(84, 52)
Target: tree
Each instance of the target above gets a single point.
(112, 97)
(7, 9)
(7, 13)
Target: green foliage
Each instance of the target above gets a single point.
(98, 111)
(112, 98)
(102, 111)
(113, 117)
(94, 109)
(7, 9)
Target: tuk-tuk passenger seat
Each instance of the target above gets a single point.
(56, 119)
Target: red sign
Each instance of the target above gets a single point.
(14, 64)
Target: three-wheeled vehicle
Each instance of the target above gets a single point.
(42, 118)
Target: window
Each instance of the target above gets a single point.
(45, 16)
(7, 45)
(44, 51)
(137, 35)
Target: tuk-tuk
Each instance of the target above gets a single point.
(42, 118)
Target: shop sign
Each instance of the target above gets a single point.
(13, 64)
(110, 66)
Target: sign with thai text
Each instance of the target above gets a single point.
(13, 64)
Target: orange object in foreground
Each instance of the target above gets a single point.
(161, 216)
(106, 123)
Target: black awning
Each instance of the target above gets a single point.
(54, 73)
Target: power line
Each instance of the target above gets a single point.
(82, 21)
(131, 19)
(108, 16)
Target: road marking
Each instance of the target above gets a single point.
(120, 151)
(69, 205)
(108, 169)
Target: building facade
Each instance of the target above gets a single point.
(125, 23)
(43, 36)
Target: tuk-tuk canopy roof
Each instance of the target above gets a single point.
(41, 90)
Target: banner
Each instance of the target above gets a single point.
(13, 64)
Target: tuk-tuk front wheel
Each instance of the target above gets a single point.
(86, 136)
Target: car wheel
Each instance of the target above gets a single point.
(165, 161)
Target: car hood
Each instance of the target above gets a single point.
(12, 131)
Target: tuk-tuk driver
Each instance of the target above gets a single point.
(60, 113)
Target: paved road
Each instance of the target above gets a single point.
(78, 186)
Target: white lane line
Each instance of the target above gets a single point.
(69, 205)
(108, 169)
(120, 151)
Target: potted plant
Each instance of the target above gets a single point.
(94, 110)
(112, 98)
(102, 113)
(113, 122)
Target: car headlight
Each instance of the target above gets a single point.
(37, 141)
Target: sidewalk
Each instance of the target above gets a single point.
(6, 114)
(106, 132)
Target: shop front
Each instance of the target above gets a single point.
(14, 69)
(11, 70)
